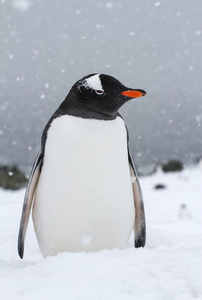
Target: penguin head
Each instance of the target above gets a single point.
(102, 94)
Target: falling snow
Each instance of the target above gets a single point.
(151, 45)
(198, 32)
(110, 5)
(157, 3)
(22, 5)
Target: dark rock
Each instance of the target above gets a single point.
(172, 166)
(160, 186)
(11, 178)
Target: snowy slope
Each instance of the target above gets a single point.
(169, 267)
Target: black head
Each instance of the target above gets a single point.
(98, 96)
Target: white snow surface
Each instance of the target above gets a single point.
(169, 267)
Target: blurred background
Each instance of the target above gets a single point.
(46, 46)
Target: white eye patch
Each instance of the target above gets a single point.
(94, 83)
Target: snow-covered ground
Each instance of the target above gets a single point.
(169, 267)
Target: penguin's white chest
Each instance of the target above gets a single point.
(84, 199)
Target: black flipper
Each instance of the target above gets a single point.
(140, 224)
(29, 195)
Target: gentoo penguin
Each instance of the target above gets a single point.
(184, 213)
(84, 187)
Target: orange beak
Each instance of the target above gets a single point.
(134, 93)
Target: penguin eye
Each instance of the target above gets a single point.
(99, 92)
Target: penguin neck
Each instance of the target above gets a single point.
(75, 108)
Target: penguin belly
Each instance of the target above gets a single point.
(84, 199)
